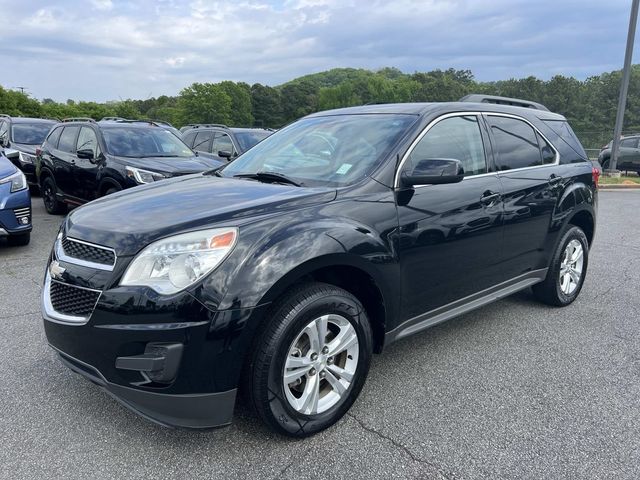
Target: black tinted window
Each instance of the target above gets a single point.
(516, 144)
(202, 141)
(188, 138)
(457, 138)
(67, 141)
(567, 135)
(30, 133)
(251, 138)
(54, 136)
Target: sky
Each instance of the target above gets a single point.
(117, 49)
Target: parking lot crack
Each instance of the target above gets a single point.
(292, 463)
(403, 448)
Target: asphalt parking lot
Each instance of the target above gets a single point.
(514, 390)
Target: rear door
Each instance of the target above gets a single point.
(528, 169)
(63, 159)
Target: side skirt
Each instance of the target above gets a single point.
(464, 305)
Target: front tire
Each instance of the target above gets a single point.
(311, 360)
(50, 198)
(567, 271)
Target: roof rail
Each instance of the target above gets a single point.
(78, 119)
(4, 115)
(161, 122)
(206, 125)
(111, 119)
(515, 102)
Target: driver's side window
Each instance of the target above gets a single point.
(456, 138)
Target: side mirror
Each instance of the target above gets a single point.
(4, 142)
(224, 154)
(85, 153)
(434, 171)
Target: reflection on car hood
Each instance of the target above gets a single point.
(6, 167)
(171, 166)
(131, 219)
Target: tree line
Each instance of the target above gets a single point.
(589, 105)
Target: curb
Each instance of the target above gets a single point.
(619, 187)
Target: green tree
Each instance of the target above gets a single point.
(240, 95)
(204, 103)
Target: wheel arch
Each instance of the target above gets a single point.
(586, 221)
(346, 272)
(107, 183)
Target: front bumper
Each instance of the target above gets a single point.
(207, 410)
(122, 326)
(13, 207)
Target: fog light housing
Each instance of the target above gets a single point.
(23, 220)
(159, 362)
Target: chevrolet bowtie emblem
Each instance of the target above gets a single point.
(55, 270)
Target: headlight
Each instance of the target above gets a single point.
(143, 176)
(18, 181)
(26, 158)
(173, 264)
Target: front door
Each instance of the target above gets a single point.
(86, 171)
(450, 235)
(64, 160)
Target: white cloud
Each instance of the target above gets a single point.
(113, 49)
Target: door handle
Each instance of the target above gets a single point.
(489, 197)
(555, 180)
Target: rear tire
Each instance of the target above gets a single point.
(50, 198)
(319, 336)
(19, 240)
(567, 270)
(111, 190)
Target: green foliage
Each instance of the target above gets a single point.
(589, 105)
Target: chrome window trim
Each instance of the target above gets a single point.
(60, 255)
(396, 180)
(50, 314)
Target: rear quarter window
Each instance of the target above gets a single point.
(567, 135)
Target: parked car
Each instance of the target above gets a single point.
(628, 155)
(15, 204)
(19, 139)
(282, 272)
(81, 160)
(222, 142)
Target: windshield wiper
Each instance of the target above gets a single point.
(269, 176)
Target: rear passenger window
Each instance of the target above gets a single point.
(457, 138)
(202, 141)
(54, 136)
(516, 144)
(629, 142)
(67, 141)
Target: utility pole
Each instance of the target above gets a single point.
(624, 87)
(22, 89)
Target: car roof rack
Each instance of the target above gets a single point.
(4, 115)
(161, 122)
(515, 102)
(206, 125)
(111, 119)
(78, 119)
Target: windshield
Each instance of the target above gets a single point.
(30, 133)
(144, 142)
(248, 140)
(324, 151)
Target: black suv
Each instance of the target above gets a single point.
(222, 142)
(338, 235)
(628, 155)
(20, 137)
(81, 159)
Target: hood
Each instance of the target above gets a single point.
(129, 220)
(23, 147)
(6, 167)
(172, 166)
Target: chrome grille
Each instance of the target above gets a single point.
(87, 252)
(70, 300)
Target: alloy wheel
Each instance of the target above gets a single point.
(571, 267)
(321, 364)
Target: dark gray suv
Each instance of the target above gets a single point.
(628, 158)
